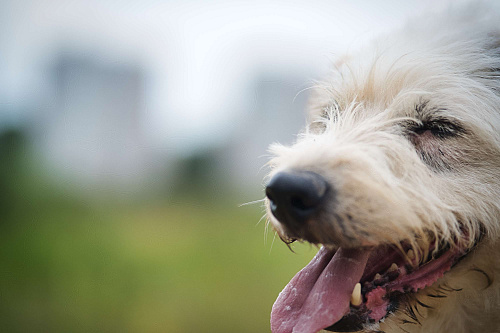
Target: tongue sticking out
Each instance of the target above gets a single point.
(319, 295)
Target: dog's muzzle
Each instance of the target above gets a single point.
(296, 196)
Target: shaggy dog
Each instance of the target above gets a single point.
(397, 178)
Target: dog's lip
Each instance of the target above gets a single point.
(378, 300)
(421, 277)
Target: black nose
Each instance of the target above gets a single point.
(295, 196)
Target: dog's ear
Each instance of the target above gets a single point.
(495, 40)
(490, 70)
(494, 44)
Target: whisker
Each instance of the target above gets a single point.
(260, 220)
(251, 202)
(274, 238)
(266, 228)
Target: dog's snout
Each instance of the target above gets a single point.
(295, 196)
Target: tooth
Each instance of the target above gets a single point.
(377, 276)
(356, 295)
(411, 254)
(393, 267)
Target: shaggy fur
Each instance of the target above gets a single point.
(408, 133)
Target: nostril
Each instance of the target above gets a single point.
(270, 196)
(269, 193)
(272, 203)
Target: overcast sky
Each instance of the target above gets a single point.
(198, 55)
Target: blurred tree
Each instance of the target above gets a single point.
(12, 170)
(197, 176)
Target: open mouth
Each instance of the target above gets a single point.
(345, 290)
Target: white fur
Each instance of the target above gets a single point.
(395, 189)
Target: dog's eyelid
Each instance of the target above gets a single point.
(449, 126)
(439, 127)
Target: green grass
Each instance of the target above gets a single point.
(187, 266)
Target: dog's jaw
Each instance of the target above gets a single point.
(318, 296)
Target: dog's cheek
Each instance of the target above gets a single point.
(442, 154)
(368, 212)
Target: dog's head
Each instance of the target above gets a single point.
(397, 174)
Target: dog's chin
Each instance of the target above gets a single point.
(389, 277)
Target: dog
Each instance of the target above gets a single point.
(396, 178)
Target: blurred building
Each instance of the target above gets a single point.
(92, 131)
(275, 114)
(92, 135)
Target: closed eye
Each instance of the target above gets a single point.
(439, 128)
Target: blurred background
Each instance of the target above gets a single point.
(131, 133)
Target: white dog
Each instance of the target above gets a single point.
(397, 176)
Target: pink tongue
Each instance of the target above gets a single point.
(319, 295)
